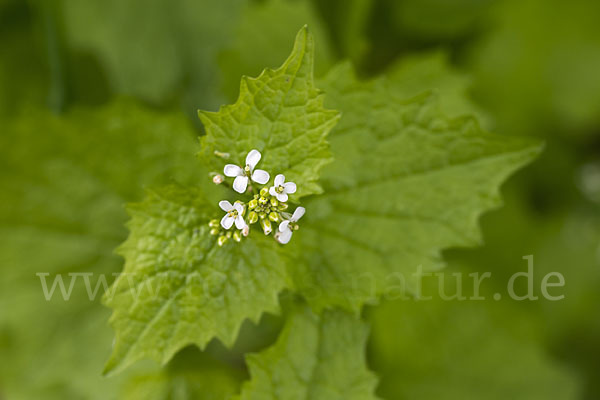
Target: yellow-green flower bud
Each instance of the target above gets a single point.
(252, 217)
(274, 216)
(228, 235)
(214, 223)
(252, 204)
(274, 202)
(263, 200)
(262, 215)
(264, 192)
(214, 231)
(237, 236)
(221, 240)
(266, 226)
(282, 206)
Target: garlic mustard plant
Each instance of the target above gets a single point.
(247, 172)
(265, 207)
(234, 212)
(281, 188)
(287, 227)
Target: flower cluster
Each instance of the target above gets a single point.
(267, 205)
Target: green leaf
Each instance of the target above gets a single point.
(281, 114)
(63, 183)
(414, 74)
(316, 357)
(407, 182)
(179, 287)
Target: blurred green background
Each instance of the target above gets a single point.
(98, 100)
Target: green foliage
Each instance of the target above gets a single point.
(179, 287)
(414, 74)
(281, 114)
(62, 195)
(402, 178)
(391, 200)
(186, 289)
(316, 357)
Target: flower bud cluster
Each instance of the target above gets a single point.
(265, 209)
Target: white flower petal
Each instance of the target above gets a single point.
(227, 221)
(285, 236)
(298, 213)
(272, 191)
(282, 197)
(239, 207)
(253, 158)
(279, 179)
(289, 187)
(284, 226)
(240, 184)
(260, 176)
(239, 222)
(231, 170)
(225, 205)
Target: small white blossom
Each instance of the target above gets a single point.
(234, 214)
(243, 174)
(281, 188)
(287, 227)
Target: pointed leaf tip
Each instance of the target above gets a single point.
(280, 112)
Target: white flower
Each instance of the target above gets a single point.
(282, 188)
(234, 214)
(242, 174)
(287, 227)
